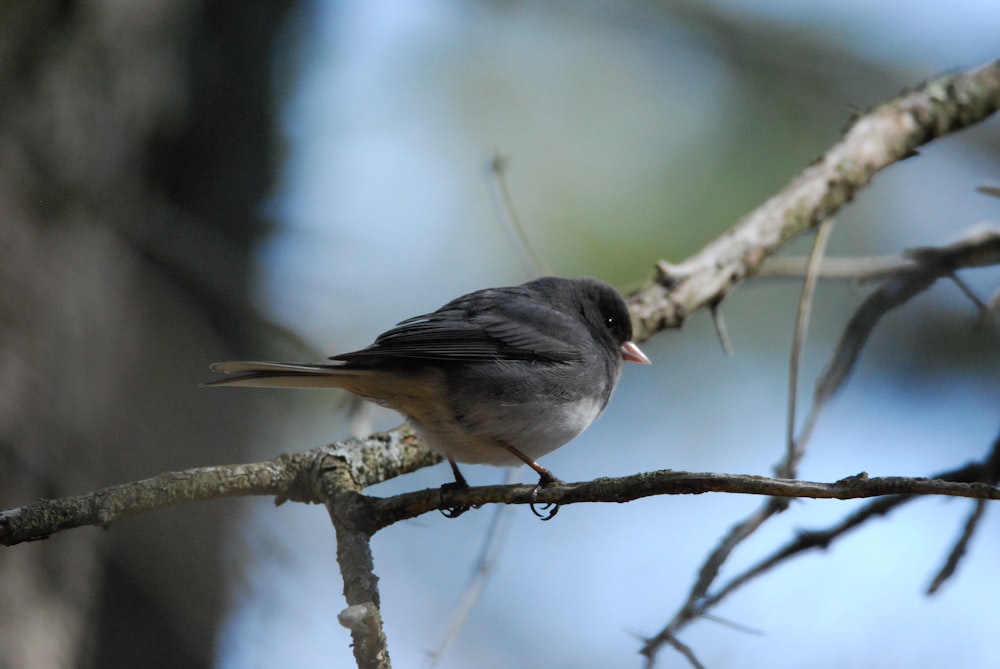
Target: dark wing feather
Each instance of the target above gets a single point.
(498, 323)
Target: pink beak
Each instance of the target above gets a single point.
(632, 353)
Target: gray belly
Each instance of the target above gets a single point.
(478, 435)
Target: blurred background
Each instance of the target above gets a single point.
(184, 182)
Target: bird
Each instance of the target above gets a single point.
(499, 376)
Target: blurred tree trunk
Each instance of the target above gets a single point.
(135, 144)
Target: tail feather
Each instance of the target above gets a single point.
(281, 374)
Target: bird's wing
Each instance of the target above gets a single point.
(498, 323)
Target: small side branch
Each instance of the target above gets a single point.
(703, 596)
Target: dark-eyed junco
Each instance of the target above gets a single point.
(500, 376)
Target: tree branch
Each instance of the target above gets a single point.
(350, 512)
(889, 133)
(325, 475)
(978, 249)
(298, 477)
(700, 600)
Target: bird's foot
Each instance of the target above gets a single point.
(458, 509)
(548, 511)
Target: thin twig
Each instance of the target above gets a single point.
(685, 652)
(739, 627)
(498, 167)
(720, 329)
(795, 449)
(958, 550)
(834, 268)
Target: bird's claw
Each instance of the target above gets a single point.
(545, 513)
(458, 509)
(454, 511)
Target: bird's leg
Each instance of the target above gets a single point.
(458, 484)
(545, 479)
(460, 481)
